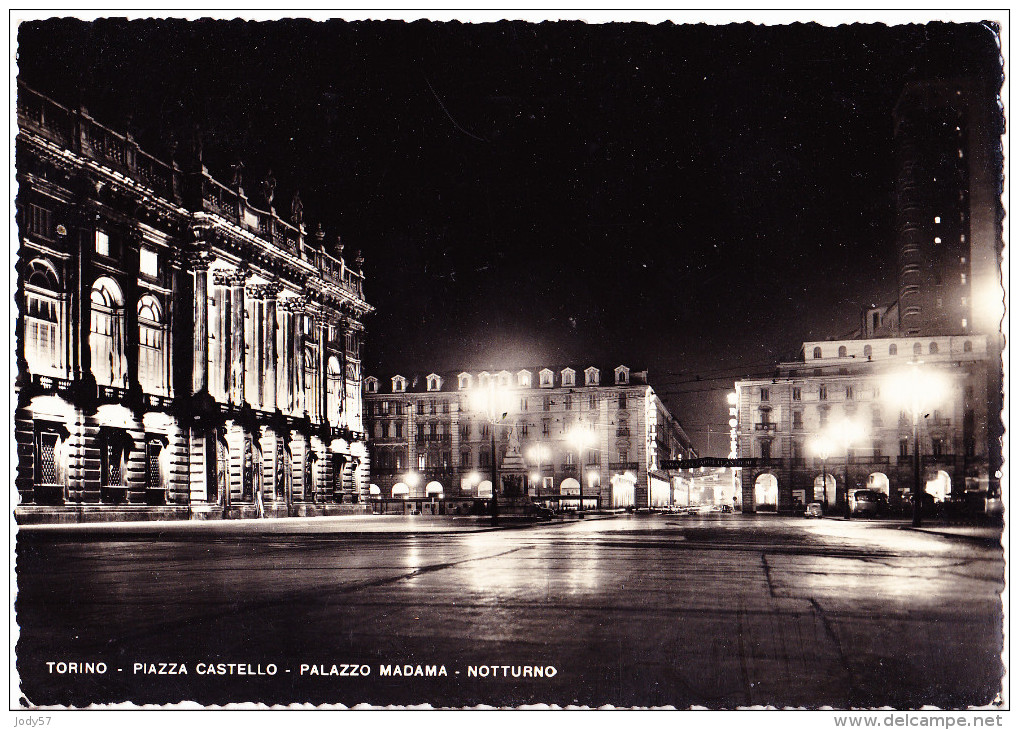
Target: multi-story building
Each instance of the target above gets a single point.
(947, 314)
(948, 223)
(560, 436)
(181, 352)
(781, 416)
(948, 208)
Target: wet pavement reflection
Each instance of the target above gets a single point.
(717, 610)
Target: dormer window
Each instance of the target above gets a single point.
(504, 379)
(399, 384)
(464, 381)
(592, 376)
(569, 377)
(371, 384)
(843, 352)
(434, 382)
(524, 379)
(484, 379)
(622, 375)
(546, 378)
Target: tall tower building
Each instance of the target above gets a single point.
(947, 135)
(949, 214)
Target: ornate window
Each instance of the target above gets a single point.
(43, 315)
(843, 352)
(334, 391)
(106, 336)
(592, 376)
(151, 346)
(524, 379)
(622, 375)
(434, 382)
(546, 377)
(311, 381)
(817, 353)
(464, 381)
(569, 377)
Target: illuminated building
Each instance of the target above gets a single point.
(946, 316)
(181, 352)
(431, 438)
(948, 222)
(780, 417)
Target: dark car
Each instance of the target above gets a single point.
(864, 502)
(543, 513)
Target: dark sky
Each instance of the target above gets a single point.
(697, 200)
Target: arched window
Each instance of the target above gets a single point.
(867, 351)
(43, 316)
(334, 391)
(893, 349)
(311, 382)
(917, 348)
(817, 353)
(933, 348)
(967, 346)
(106, 336)
(843, 352)
(151, 339)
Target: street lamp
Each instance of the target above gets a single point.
(580, 437)
(538, 453)
(915, 389)
(822, 447)
(493, 402)
(847, 431)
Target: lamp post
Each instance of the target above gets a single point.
(822, 447)
(537, 453)
(848, 431)
(915, 390)
(580, 437)
(491, 401)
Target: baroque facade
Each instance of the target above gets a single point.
(560, 437)
(181, 353)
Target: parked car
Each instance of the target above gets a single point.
(814, 509)
(726, 508)
(864, 502)
(543, 513)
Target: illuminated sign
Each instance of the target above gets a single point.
(707, 461)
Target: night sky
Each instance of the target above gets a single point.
(695, 200)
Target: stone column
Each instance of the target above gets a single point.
(270, 291)
(130, 336)
(238, 360)
(200, 362)
(322, 322)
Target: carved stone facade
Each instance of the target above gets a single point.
(181, 353)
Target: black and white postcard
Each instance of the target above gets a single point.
(612, 361)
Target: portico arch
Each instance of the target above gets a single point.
(820, 491)
(766, 492)
(878, 482)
